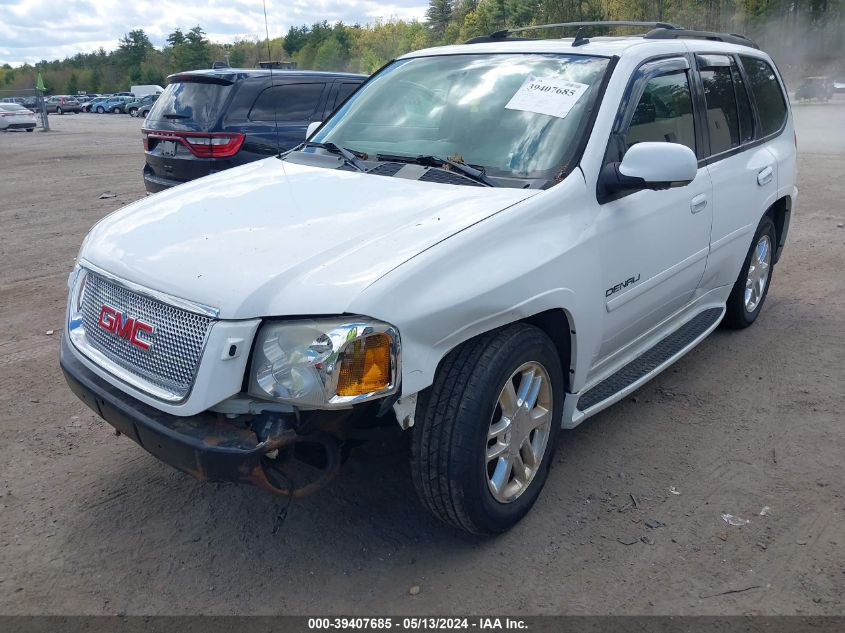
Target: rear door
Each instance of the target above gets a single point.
(279, 116)
(741, 166)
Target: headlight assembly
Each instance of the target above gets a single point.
(327, 363)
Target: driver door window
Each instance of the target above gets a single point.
(664, 112)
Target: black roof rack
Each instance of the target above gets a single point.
(654, 25)
(660, 33)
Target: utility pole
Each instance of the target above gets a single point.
(39, 88)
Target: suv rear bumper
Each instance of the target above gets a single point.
(154, 184)
(206, 446)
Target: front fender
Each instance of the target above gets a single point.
(529, 258)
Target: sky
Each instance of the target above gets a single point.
(32, 30)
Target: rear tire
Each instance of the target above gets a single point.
(461, 477)
(752, 286)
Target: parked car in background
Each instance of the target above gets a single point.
(146, 89)
(134, 106)
(61, 104)
(123, 94)
(815, 88)
(210, 120)
(13, 116)
(31, 103)
(12, 100)
(144, 110)
(839, 85)
(115, 105)
(91, 106)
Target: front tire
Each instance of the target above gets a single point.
(486, 430)
(101, 110)
(133, 112)
(752, 286)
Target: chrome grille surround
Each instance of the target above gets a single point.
(168, 368)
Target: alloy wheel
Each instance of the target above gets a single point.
(519, 432)
(758, 273)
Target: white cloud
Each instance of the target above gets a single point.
(32, 30)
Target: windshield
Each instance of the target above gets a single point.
(517, 115)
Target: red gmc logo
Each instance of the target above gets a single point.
(125, 327)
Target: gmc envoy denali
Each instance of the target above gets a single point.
(484, 244)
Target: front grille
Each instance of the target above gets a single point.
(177, 341)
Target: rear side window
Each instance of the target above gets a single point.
(664, 112)
(722, 115)
(192, 103)
(288, 102)
(771, 105)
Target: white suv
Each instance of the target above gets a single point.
(483, 244)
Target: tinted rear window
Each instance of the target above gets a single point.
(191, 103)
(771, 106)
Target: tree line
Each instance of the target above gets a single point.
(802, 35)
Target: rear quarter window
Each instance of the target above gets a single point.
(764, 84)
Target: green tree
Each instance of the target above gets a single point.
(330, 55)
(237, 57)
(438, 16)
(72, 85)
(197, 50)
(296, 39)
(133, 48)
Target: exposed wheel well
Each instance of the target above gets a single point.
(780, 212)
(556, 325)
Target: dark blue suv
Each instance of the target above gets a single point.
(210, 120)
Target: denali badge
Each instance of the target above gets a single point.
(125, 327)
(624, 284)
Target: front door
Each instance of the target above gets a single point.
(654, 243)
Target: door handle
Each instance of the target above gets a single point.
(764, 176)
(698, 203)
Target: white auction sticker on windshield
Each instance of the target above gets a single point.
(544, 95)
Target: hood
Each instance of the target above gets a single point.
(273, 238)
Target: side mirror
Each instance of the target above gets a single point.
(651, 165)
(312, 127)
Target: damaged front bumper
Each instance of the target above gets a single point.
(208, 446)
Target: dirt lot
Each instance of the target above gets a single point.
(91, 524)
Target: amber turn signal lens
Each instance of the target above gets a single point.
(365, 366)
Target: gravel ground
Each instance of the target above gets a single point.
(91, 524)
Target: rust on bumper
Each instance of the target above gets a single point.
(207, 446)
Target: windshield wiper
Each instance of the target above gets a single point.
(348, 155)
(431, 160)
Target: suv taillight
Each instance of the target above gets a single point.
(200, 144)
